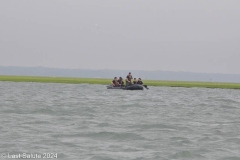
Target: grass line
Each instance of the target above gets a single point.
(107, 81)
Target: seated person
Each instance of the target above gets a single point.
(129, 79)
(139, 81)
(120, 81)
(115, 82)
(135, 81)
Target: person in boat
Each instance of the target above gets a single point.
(115, 82)
(120, 81)
(140, 81)
(135, 81)
(129, 79)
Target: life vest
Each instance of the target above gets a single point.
(120, 82)
(140, 82)
(129, 77)
(114, 82)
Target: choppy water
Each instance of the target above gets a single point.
(91, 122)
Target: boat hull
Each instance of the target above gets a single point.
(130, 87)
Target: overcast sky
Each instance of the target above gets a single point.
(170, 35)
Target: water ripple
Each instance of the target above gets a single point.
(90, 122)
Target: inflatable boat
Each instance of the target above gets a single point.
(130, 87)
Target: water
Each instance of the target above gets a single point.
(91, 122)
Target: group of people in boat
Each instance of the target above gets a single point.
(120, 82)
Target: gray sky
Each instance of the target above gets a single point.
(171, 35)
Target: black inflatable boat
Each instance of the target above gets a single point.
(130, 87)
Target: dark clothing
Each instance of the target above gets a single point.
(134, 82)
(114, 82)
(140, 82)
(121, 82)
(129, 78)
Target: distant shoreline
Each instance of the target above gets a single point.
(108, 74)
(68, 80)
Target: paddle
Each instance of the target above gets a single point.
(145, 86)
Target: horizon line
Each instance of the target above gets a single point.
(123, 70)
